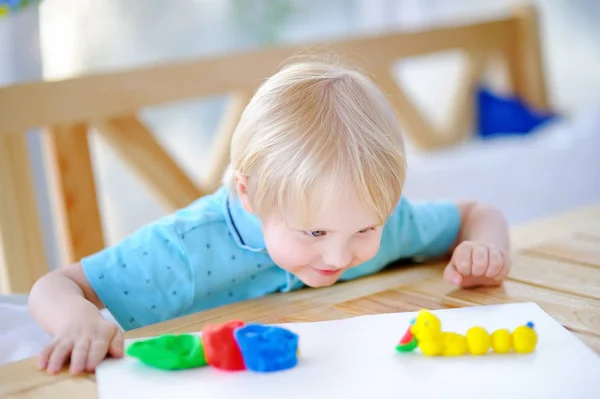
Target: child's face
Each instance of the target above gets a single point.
(344, 235)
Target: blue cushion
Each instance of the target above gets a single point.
(499, 116)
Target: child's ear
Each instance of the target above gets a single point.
(241, 187)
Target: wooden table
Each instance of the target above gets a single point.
(556, 264)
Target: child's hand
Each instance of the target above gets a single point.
(476, 263)
(86, 341)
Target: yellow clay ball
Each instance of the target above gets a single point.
(478, 340)
(524, 339)
(501, 341)
(455, 344)
(431, 348)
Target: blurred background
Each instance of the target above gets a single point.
(65, 38)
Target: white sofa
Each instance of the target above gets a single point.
(528, 177)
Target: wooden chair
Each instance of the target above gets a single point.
(67, 109)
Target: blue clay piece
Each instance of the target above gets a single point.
(267, 348)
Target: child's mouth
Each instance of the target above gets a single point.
(327, 272)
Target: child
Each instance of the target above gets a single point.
(312, 196)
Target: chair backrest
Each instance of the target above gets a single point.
(66, 109)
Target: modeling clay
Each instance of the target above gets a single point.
(169, 352)
(229, 346)
(407, 343)
(454, 344)
(524, 338)
(267, 348)
(502, 341)
(478, 341)
(428, 332)
(220, 346)
(425, 333)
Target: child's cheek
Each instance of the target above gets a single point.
(287, 253)
(291, 260)
(368, 249)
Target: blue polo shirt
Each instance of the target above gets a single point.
(211, 253)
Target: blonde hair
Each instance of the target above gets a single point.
(310, 132)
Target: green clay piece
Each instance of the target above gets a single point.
(170, 352)
(407, 347)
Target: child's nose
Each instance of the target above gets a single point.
(338, 258)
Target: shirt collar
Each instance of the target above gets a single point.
(246, 230)
(245, 227)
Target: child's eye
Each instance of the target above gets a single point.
(316, 233)
(363, 231)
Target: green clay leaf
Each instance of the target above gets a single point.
(170, 352)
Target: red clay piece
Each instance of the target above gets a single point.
(221, 348)
(408, 336)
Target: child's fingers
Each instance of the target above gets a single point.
(462, 259)
(59, 356)
(45, 356)
(480, 255)
(79, 356)
(98, 350)
(505, 267)
(116, 344)
(495, 264)
(452, 275)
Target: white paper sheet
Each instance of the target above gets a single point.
(356, 358)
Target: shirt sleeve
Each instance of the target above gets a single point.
(423, 229)
(144, 279)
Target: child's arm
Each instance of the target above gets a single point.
(65, 305)
(144, 279)
(481, 255)
(475, 237)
